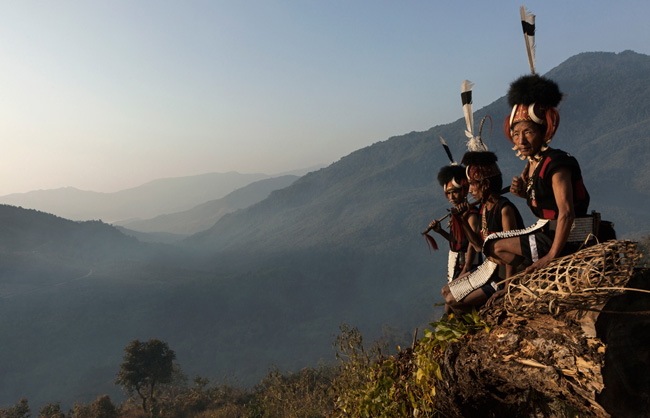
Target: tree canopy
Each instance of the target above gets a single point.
(146, 366)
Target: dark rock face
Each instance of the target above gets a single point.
(523, 367)
(625, 328)
(541, 364)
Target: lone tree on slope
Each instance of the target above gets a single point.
(146, 366)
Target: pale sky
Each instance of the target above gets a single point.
(107, 95)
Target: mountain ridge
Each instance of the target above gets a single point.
(206, 214)
(147, 200)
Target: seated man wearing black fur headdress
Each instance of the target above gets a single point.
(551, 182)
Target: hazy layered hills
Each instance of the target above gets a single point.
(74, 294)
(146, 201)
(205, 215)
(270, 283)
(39, 249)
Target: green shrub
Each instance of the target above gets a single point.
(401, 385)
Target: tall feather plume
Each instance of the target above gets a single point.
(466, 99)
(528, 25)
(473, 143)
(448, 151)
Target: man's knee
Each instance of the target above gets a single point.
(502, 251)
(490, 248)
(446, 294)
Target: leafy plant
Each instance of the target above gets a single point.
(19, 410)
(304, 394)
(51, 410)
(401, 385)
(103, 407)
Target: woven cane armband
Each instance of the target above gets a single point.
(462, 287)
(516, 232)
(583, 227)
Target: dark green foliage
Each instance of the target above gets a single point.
(402, 385)
(146, 367)
(19, 410)
(355, 369)
(52, 410)
(305, 394)
(209, 400)
(103, 407)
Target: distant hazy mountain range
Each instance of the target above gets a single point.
(158, 197)
(205, 215)
(269, 284)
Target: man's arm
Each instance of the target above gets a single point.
(563, 190)
(471, 232)
(509, 222)
(435, 225)
(473, 222)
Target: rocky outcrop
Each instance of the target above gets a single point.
(624, 326)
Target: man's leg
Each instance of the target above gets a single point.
(505, 250)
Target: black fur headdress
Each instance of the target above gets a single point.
(481, 165)
(480, 158)
(534, 88)
(449, 173)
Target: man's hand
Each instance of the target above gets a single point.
(496, 295)
(539, 264)
(435, 225)
(461, 209)
(518, 187)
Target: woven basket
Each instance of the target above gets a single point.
(578, 282)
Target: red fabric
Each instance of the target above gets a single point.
(431, 243)
(457, 230)
(521, 114)
(546, 162)
(549, 214)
